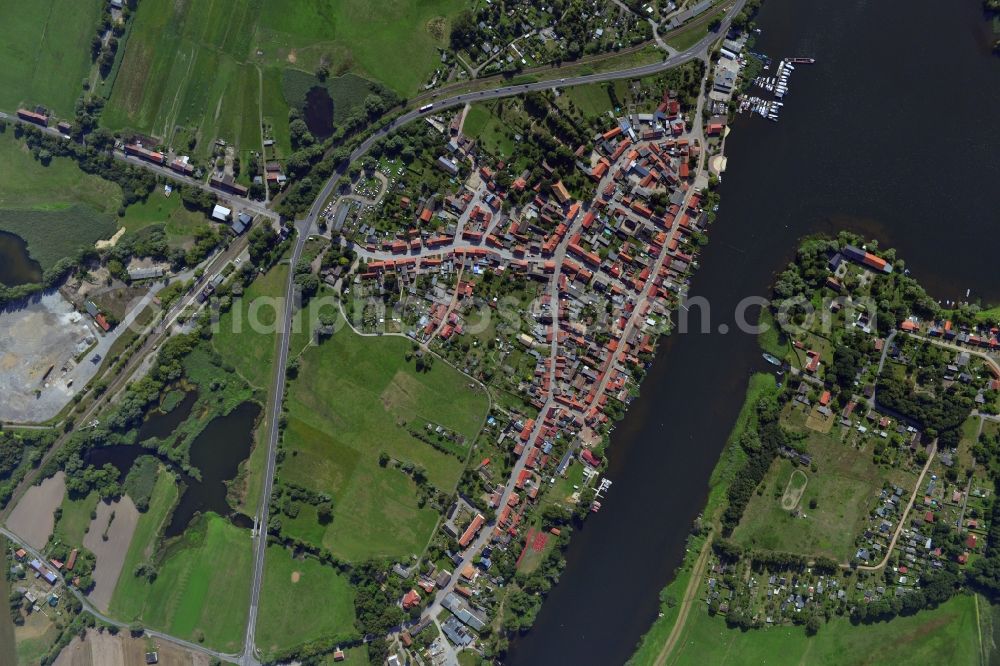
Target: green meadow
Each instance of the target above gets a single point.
(302, 600)
(354, 399)
(45, 52)
(216, 69)
(57, 209)
(186, 66)
(201, 592)
(948, 634)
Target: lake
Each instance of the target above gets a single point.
(16, 265)
(216, 452)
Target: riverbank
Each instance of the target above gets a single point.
(673, 434)
(678, 598)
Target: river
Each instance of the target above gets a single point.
(893, 133)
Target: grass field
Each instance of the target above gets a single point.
(845, 488)
(251, 352)
(56, 209)
(200, 592)
(212, 69)
(248, 347)
(302, 600)
(394, 41)
(948, 634)
(348, 92)
(46, 52)
(145, 540)
(350, 402)
(485, 124)
(75, 518)
(185, 65)
(168, 213)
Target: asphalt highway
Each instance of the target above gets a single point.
(249, 656)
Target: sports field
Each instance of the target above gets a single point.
(948, 634)
(56, 209)
(845, 487)
(45, 52)
(352, 400)
(302, 600)
(201, 592)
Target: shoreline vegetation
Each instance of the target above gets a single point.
(947, 608)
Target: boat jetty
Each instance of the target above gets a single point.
(777, 85)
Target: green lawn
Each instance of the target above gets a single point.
(393, 41)
(168, 213)
(302, 600)
(948, 634)
(75, 518)
(56, 209)
(46, 52)
(201, 592)
(350, 402)
(845, 486)
(687, 38)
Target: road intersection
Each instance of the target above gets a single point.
(251, 655)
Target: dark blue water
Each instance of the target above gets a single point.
(893, 133)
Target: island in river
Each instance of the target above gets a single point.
(857, 486)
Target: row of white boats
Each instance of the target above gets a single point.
(777, 84)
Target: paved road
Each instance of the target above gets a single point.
(306, 225)
(249, 656)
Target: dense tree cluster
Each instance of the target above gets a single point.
(760, 440)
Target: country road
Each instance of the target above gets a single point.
(250, 655)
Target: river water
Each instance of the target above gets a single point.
(894, 133)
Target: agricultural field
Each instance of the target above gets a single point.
(204, 570)
(186, 66)
(194, 72)
(302, 600)
(46, 52)
(947, 634)
(352, 401)
(57, 209)
(843, 482)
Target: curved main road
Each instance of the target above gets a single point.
(304, 227)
